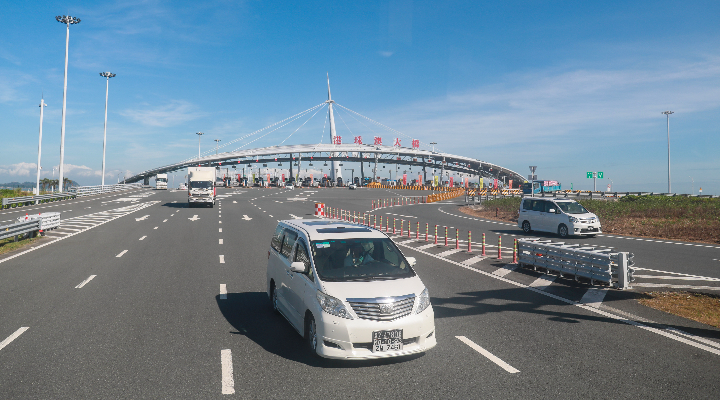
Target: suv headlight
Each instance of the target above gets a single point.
(332, 306)
(423, 301)
(573, 219)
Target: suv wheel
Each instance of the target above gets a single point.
(312, 334)
(526, 227)
(563, 230)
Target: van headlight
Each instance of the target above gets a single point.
(333, 306)
(423, 301)
(573, 219)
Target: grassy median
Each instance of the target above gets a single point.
(680, 218)
(700, 307)
(8, 245)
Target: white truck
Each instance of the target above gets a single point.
(201, 186)
(161, 181)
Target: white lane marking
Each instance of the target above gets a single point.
(121, 253)
(79, 286)
(222, 259)
(427, 246)
(228, 383)
(144, 217)
(143, 238)
(221, 241)
(220, 222)
(235, 202)
(543, 282)
(447, 253)
(295, 216)
(172, 215)
(246, 218)
(223, 292)
(220, 230)
(507, 367)
(504, 270)
(165, 220)
(473, 260)
(13, 336)
(271, 216)
(194, 218)
(594, 297)
(155, 227)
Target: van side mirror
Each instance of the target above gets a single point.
(411, 260)
(297, 266)
(551, 211)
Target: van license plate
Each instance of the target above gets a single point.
(387, 340)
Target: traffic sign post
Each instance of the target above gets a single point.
(594, 176)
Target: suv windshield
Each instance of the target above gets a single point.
(200, 184)
(572, 207)
(359, 259)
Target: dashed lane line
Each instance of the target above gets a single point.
(223, 291)
(222, 259)
(143, 238)
(12, 337)
(507, 367)
(83, 283)
(121, 253)
(227, 380)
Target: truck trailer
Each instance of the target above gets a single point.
(201, 186)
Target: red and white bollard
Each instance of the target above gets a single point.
(417, 231)
(402, 224)
(515, 260)
(469, 241)
(483, 245)
(436, 234)
(427, 227)
(499, 248)
(457, 239)
(446, 236)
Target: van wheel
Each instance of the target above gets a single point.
(526, 227)
(274, 298)
(563, 230)
(311, 333)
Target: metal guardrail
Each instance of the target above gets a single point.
(81, 191)
(20, 228)
(48, 220)
(25, 200)
(614, 268)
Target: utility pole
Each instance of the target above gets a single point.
(37, 183)
(67, 20)
(667, 113)
(217, 141)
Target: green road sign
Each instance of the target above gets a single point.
(589, 175)
(600, 175)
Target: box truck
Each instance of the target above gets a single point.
(201, 186)
(161, 181)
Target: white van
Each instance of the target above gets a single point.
(348, 290)
(562, 216)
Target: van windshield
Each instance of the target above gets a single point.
(572, 207)
(200, 184)
(359, 260)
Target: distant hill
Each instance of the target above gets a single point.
(13, 185)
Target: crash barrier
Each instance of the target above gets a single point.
(396, 201)
(376, 185)
(604, 265)
(444, 196)
(30, 227)
(493, 192)
(81, 191)
(48, 220)
(8, 202)
(319, 209)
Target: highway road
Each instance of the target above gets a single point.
(139, 296)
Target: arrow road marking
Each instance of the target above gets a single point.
(246, 218)
(194, 218)
(144, 217)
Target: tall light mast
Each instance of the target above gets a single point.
(336, 172)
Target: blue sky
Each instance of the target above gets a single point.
(565, 85)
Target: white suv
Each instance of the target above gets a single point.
(562, 216)
(348, 290)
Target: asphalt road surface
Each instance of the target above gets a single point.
(139, 296)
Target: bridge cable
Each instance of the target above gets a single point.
(252, 141)
(303, 124)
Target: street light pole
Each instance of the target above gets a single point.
(199, 136)
(67, 20)
(433, 145)
(37, 183)
(107, 76)
(667, 113)
(216, 145)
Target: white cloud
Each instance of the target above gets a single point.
(174, 113)
(20, 169)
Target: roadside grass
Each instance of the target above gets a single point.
(8, 245)
(680, 218)
(13, 193)
(700, 307)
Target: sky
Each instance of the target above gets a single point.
(566, 86)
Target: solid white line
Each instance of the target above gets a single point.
(84, 282)
(13, 336)
(221, 241)
(121, 253)
(507, 367)
(222, 259)
(223, 292)
(228, 383)
(143, 238)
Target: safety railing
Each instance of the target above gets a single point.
(82, 191)
(604, 265)
(17, 229)
(48, 220)
(8, 202)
